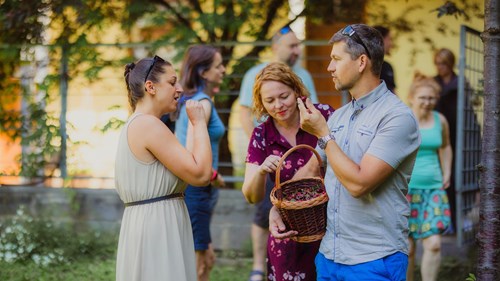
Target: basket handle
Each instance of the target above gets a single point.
(282, 159)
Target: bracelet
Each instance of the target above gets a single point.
(214, 175)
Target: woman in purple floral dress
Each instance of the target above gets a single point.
(275, 95)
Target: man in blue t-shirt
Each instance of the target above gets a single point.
(286, 48)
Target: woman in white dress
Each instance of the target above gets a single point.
(151, 172)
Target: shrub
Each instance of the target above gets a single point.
(24, 238)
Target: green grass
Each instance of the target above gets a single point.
(101, 270)
(235, 270)
(41, 250)
(226, 269)
(82, 270)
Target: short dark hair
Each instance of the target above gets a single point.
(370, 37)
(384, 31)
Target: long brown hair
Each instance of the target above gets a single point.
(198, 58)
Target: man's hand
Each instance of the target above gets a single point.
(311, 119)
(277, 227)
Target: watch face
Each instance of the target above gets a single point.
(322, 142)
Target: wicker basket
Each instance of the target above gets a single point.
(307, 217)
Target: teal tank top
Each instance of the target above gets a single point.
(427, 172)
(216, 128)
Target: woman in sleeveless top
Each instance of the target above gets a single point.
(202, 72)
(151, 172)
(430, 210)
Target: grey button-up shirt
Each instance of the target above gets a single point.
(375, 225)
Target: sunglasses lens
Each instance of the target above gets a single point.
(155, 59)
(348, 30)
(285, 30)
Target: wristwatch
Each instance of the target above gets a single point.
(324, 140)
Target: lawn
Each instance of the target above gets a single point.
(100, 270)
(225, 270)
(42, 250)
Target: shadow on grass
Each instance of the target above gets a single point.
(234, 266)
(454, 268)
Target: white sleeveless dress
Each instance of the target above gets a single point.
(156, 240)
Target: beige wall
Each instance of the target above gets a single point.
(401, 58)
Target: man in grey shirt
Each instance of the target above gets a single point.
(370, 146)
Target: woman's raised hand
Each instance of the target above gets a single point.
(195, 112)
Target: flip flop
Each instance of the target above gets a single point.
(256, 273)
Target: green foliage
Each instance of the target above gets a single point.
(471, 277)
(319, 11)
(205, 22)
(21, 19)
(82, 270)
(78, 24)
(23, 23)
(33, 126)
(25, 239)
(234, 271)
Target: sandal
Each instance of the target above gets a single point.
(256, 273)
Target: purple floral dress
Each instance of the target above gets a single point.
(286, 259)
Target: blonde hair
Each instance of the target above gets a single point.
(446, 56)
(279, 72)
(420, 80)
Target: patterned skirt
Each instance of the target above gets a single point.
(288, 260)
(430, 212)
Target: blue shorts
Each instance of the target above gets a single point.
(200, 202)
(390, 268)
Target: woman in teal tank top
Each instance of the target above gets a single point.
(430, 210)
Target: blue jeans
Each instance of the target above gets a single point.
(200, 202)
(390, 268)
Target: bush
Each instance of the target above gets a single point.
(24, 239)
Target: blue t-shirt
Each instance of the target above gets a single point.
(215, 126)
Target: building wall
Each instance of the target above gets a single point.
(424, 39)
(103, 210)
(412, 51)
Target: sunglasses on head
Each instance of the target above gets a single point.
(155, 59)
(349, 31)
(285, 30)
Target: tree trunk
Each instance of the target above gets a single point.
(489, 229)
